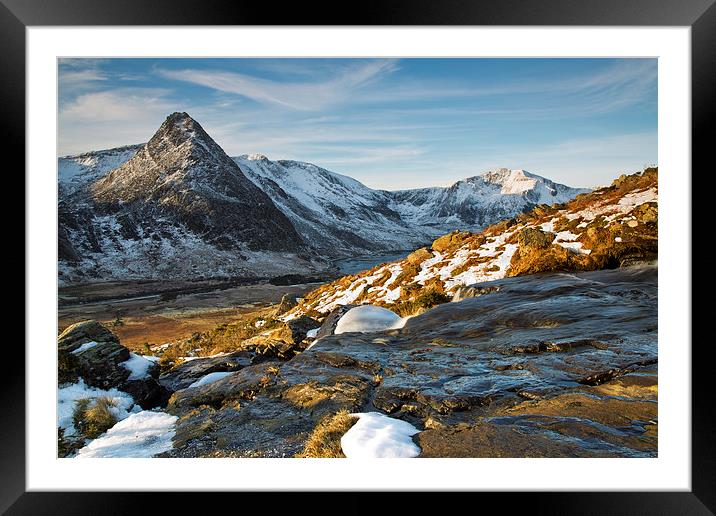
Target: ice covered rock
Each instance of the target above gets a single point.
(367, 318)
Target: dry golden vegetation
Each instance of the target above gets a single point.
(610, 227)
(325, 440)
(93, 417)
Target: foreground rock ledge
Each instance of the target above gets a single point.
(552, 365)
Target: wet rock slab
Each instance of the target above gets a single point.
(183, 375)
(546, 365)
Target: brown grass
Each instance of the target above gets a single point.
(325, 440)
(426, 299)
(92, 418)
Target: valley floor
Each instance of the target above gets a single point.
(159, 312)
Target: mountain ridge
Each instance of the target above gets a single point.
(179, 207)
(181, 187)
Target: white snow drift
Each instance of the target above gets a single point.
(138, 366)
(141, 435)
(69, 394)
(367, 318)
(209, 378)
(377, 436)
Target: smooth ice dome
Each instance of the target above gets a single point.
(377, 436)
(367, 318)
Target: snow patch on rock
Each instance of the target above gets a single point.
(210, 378)
(377, 436)
(138, 366)
(141, 435)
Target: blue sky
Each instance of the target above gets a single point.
(390, 123)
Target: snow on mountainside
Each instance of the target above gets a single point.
(475, 202)
(77, 171)
(179, 208)
(341, 216)
(335, 213)
(610, 227)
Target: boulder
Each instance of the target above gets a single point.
(535, 238)
(419, 256)
(449, 241)
(148, 393)
(100, 365)
(647, 212)
(81, 333)
(292, 332)
(186, 373)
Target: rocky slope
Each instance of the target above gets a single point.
(609, 227)
(178, 208)
(74, 172)
(553, 364)
(550, 365)
(530, 370)
(339, 215)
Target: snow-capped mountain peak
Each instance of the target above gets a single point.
(254, 157)
(181, 196)
(179, 206)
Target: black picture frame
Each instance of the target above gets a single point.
(700, 15)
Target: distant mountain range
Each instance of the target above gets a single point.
(178, 207)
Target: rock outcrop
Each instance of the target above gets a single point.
(89, 351)
(528, 369)
(186, 373)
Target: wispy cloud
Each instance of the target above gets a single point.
(390, 124)
(116, 105)
(111, 118)
(312, 95)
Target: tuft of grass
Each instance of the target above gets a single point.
(325, 440)
(425, 300)
(273, 370)
(93, 417)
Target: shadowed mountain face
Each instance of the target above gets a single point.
(183, 175)
(179, 207)
(342, 217)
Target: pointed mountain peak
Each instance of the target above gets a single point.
(501, 175)
(178, 127)
(183, 137)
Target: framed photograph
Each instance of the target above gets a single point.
(426, 248)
